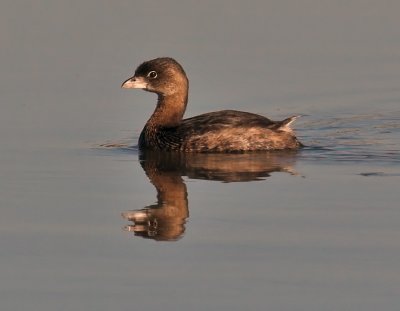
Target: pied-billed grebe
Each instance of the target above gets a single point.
(220, 131)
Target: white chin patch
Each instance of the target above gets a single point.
(138, 83)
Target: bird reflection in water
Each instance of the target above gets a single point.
(165, 220)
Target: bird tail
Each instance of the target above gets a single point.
(285, 124)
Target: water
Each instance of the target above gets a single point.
(89, 223)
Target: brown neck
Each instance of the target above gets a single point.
(169, 111)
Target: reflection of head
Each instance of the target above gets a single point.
(165, 223)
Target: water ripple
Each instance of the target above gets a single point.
(367, 138)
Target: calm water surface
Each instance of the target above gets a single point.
(88, 223)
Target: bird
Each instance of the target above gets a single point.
(219, 131)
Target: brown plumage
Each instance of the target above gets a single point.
(219, 131)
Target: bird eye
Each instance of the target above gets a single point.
(152, 74)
